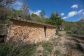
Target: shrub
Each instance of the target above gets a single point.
(9, 50)
(47, 47)
(5, 49)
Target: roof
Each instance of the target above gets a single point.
(34, 22)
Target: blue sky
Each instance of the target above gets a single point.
(69, 10)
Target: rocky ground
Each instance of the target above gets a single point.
(63, 45)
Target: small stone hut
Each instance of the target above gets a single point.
(27, 31)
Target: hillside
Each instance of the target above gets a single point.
(75, 27)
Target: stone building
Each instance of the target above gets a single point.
(27, 31)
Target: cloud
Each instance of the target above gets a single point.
(62, 14)
(38, 12)
(83, 13)
(30, 11)
(35, 12)
(74, 13)
(17, 5)
(80, 11)
(65, 17)
(70, 14)
(74, 6)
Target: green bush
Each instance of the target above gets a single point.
(47, 46)
(57, 52)
(9, 50)
(5, 49)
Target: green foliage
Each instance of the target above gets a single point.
(4, 49)
(47, 46)
(17, 12)
(42, 13)
(5, 11)
(55, 20)
(4, 3)
(75, 27)
(9, 50)
(37, 18)
(57, 52)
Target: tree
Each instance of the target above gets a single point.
(10, 12)
(5, 12)
(42, 13)
(25, 10)
(36, 18)
(55, 20)
(4, 3)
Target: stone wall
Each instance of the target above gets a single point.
(28, 32)
(50, 32)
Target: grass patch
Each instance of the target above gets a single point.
(47, 47)
(8, 50)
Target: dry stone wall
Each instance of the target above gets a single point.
(50, 32)
(28, 32)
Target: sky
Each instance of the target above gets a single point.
(69, 10)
